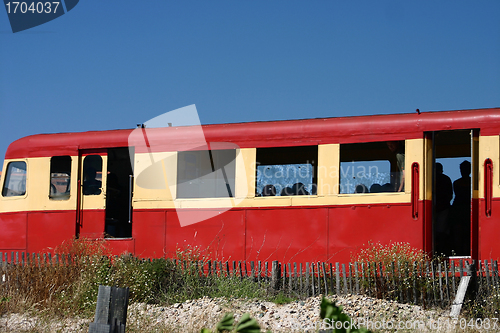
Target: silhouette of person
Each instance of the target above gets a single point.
(269, 191)
(361, 188)
(299, 189)
(444, 194)
(461, 210)
(461, 186)
(376, 188)
(287, 191)
(91, 186)
(397, 147)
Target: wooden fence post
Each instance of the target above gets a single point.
(301, 276)
(284, 275)
(494, 268)
(111, 310)
(259, 270)
(446, 282)
(474, 280)
(337, 278)
(414, 278)
(307, 280)
(487, 272)
(367, 269)
(312, 279)
(356, 275)
(324, 278)
(275, 275)
(349, 266)
(295, 283)
(344, 278)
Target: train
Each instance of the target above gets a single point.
(293, 190)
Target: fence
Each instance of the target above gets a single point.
(428, 283)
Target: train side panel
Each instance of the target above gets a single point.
(221, 237)
(148, 230)
(287, 234)
(47, 230)
(13, 227)
(352, 228)
(489, 231)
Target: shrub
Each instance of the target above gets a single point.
(405, 270)
(398, 252)
(81, 248)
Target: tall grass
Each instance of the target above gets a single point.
(71, 289)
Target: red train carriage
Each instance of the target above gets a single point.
(294, 191)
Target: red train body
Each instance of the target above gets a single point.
(349, 194)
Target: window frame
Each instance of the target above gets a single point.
(62, 196)
(231, 181)
(391, 161)
(264, 161)
(85, 186)
(4, 180)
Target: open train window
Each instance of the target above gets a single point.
(372, 167)
(92, 175)
(206, 173)
(60, 177)
(286, 171)
(15, 180)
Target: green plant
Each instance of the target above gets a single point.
(332, 314)
(226, 323)
(246, 325)
(281, 298)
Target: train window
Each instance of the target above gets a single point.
(206, 173)
(92, 175)
(60, 177)
(286, 171)
(15, 180)
(372, 167)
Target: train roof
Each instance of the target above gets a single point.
(264, 133)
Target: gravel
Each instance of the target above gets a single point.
(298, 316)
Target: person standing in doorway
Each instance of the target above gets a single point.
(444, 194)
(460, 219)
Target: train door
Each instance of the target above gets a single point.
(452, 189)
(92, 193)
(105, 194)
(119, 190)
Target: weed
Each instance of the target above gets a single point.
(281, 298)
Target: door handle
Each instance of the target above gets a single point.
(488, 186)
(415, 174)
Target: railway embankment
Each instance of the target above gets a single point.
(296, 316)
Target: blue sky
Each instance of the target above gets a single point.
(115, 63)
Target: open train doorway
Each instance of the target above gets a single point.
(453, 179)
(119, 190)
